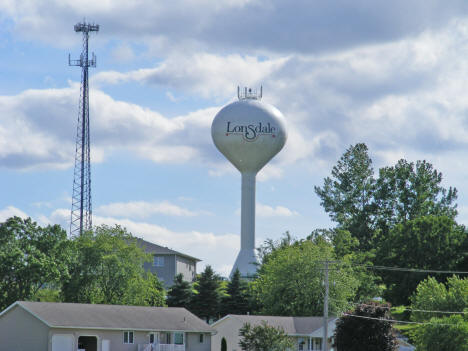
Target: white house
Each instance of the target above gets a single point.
(31, 326)
(307, 332)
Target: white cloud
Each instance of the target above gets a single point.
(11, 211)
(38, 130)
(204, 74)
(123, 53)
(262, 210)
(142, 209)
(277, 211)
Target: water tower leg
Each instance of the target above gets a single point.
(247, 259)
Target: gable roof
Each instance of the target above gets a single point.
(93, 316)
(161, 250)
(291, 325)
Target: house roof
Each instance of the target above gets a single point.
(291, 325)
(161, 250)
(94, 316)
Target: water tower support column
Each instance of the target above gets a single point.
(248, 212)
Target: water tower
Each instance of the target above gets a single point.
(249, 133)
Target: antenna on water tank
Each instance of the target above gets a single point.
(249, 93)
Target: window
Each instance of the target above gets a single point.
(301, 344)
(201, 338)
(158, 261)
(151, 338)
(128, 337)
(179, 338)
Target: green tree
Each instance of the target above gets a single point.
(223, 344)
(205, 303)
(355, 332)
(346, 249)
(180, 293)
(427, 242)
(407, 191)
(443, 334)
(236, 301)
(107, 267)
(432, 295)
(347, 196)
(290, 283)
(264, 337)
(30, 258)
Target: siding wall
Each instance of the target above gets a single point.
(114, 336)
(187, 267)
(20, 331)
(229, 329)
(116, 339)
(192, 342)
(166, 273)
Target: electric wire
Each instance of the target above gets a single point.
(397, 321)
(398, 269)
(404, 309)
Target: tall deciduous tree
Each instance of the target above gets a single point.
(108, 268)
(205, 303)
(264, 337)
(427, 242)
(236, 301)
(353, 333)
(180, 293)
(290, 282)
(347, 196)
(30, 257)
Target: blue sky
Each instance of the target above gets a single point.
(390, 74)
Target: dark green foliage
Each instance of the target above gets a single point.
(180, 293)
(205, 303)
(223, 344)
(359, 334)
(443, 334)
(264, 338)
(30, 257)
(237, 300)
(427, 242)
(403, 218)
(407, 191)
(347, 196)
(107, 267)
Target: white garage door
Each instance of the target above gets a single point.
(62, 342)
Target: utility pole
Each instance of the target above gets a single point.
(81, 212)
(325, 310)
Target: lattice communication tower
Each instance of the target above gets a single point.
(81, 212)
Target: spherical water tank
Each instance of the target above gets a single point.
(249, 133)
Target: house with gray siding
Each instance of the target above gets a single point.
(50, 326)
(307, 332)
(167, 263)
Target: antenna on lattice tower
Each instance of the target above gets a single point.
(81, 211)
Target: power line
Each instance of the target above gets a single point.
(398, 269)
(396, 321)
(405, 309)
